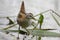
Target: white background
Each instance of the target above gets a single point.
(12, 7)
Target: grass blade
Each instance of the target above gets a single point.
(9, 27)
(43, 33)
(20, 31)
(55, 20)
(55, 13)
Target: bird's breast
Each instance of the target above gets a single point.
(24, 23)
(21, 17)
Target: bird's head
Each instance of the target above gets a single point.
(30, 16)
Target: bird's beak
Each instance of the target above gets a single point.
(33, 18)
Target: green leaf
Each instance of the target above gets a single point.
(41, 18)
(10, 21)
(39, 38)
(43, 33)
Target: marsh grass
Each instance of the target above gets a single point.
(38, 32)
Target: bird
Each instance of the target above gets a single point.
(23, 18)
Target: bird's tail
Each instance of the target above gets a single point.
(22, 9)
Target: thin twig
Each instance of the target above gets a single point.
(48, 11)
(55, 13)
(18, 32)
(55, 19)
(42, 13)
(9, 27)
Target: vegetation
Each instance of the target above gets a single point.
(38, 32)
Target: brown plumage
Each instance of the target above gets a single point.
(22, 17)
(22, 7)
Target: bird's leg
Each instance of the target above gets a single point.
(24, 37)
(27, 31)
(18, 32)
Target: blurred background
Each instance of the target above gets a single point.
(12, 7)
